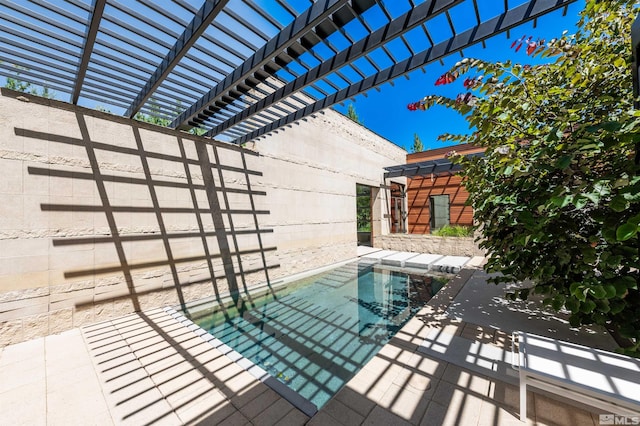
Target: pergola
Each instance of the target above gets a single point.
(238, 68)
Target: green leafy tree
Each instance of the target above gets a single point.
(417, 144)
(557, 194)
(155, 117)
(352, 114)
(26, 87)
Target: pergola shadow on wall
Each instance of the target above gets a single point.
(137, 216)
(238, 69)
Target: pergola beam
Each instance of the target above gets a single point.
(501, 23)
(395, 28)
(304, 23)
(198, 25)
(87, 49)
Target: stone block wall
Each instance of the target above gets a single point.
(101, 216)
(451, 246)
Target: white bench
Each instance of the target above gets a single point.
(601, 379)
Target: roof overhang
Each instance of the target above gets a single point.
(436, 167)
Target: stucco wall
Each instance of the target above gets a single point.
(101, 216)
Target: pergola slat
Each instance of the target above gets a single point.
(510, 19)
(237, 69)
(319, 11)
(96, 16)
(393, 29)
(196, 27)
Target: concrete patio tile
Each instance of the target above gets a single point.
(19, 374)
(338, 410)
(28, 405)
(437, 414)
(381, 417)
(114, 359)
(477, 333)
(21, 352)
(147, 343)
(451, 264)
(162, 364)
(406, 403)
(245, 395)
(229, 372)
(207, 406)
(359, 403)
(141, 403)
(462, 405)
(398, 259)
(323, 419)
(466, 379)
(217, 363)
(174, 381)
(423, 261)
(237, 419)
(273, 413)
(106, 344)
(416, 327)
(509, 396)
(156, 351)
(86, 399)
(395, 353)
(406, 341)
(377, 255)
(203, 352)
(97, 328)
(122, 375)
(89, 418)
(293, 418)
(62, 377)
(371, 387)
(415, 380)
(554, 410)
(426, 365)
(492, 414)
(260, 403)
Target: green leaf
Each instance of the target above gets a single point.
(564, 162)
(598, 292)
(610, 291)
(626, 231)
(557, 303)
(587, 306)
(572, 305)
(580, 201)
(561, 200)
(618, 204)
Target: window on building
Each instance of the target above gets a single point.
(439, 206)
(396, 208)
(363, 214)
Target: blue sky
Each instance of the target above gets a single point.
(385, 112)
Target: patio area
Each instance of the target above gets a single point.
(149, 368)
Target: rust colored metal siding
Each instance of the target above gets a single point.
(421, 188)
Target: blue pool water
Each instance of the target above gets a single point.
(315, 334)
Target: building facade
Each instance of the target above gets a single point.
(437, 199)
(101, 216)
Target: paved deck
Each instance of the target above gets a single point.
(147, 368)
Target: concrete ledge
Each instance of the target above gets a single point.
(398, 259)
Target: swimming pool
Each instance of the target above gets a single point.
(315, 334)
